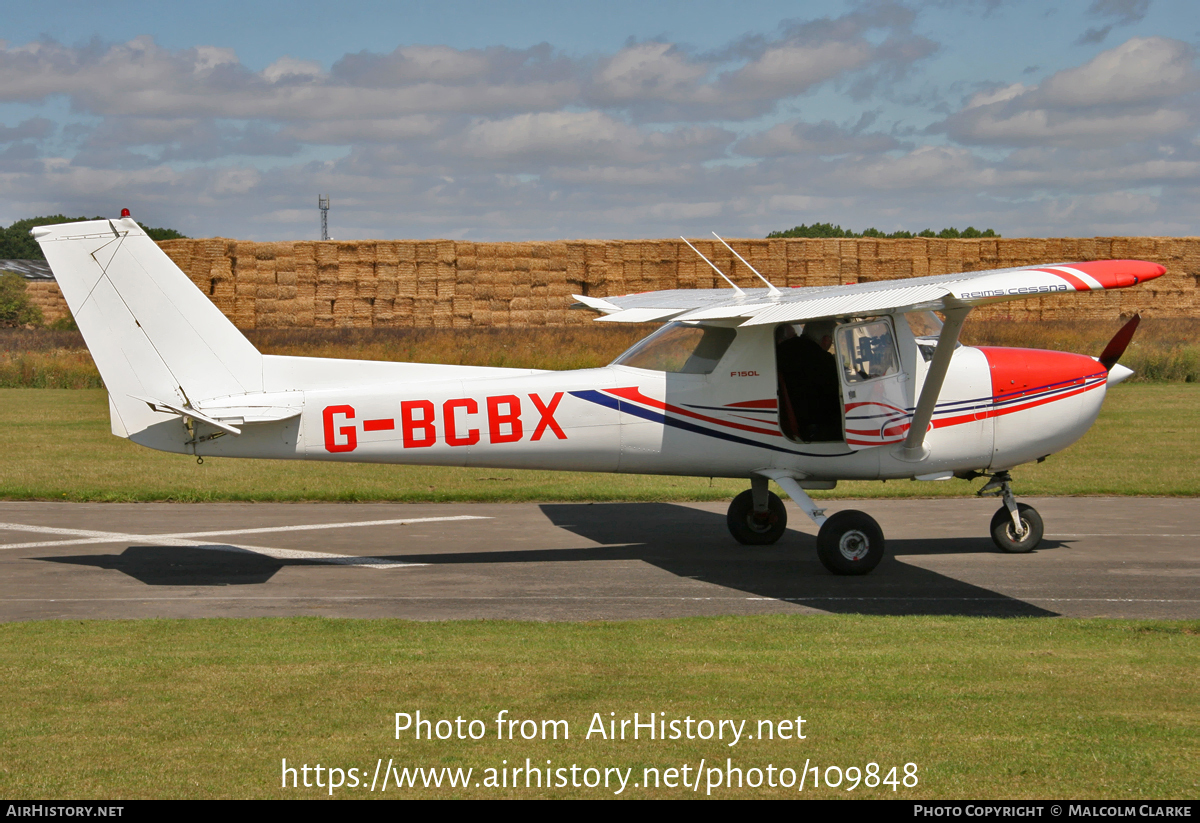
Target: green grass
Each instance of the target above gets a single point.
(57, 446)
(986, 708)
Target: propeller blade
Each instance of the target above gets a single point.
(1116, 347)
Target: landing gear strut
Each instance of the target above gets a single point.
(848, 543)
(757, 517)
(1016, 527)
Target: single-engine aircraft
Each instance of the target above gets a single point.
(802, 386)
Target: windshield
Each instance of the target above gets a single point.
(926, 326)
(924, 323)
(680, 348)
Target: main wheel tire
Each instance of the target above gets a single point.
(753, 528)
(1004, 534)
(850, 542)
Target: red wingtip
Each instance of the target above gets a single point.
(1118, 274)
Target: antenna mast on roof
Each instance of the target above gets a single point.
(323, 205)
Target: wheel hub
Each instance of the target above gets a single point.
(760, 521)
(854, 545)
(1016, 536)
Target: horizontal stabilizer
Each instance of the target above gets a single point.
(228, 413)
(163, 407)
(259, 407)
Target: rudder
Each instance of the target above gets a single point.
(152, 333)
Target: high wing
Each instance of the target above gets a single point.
(941, 292)
(952, 294)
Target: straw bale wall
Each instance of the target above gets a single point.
(449, 283)
(46, 295)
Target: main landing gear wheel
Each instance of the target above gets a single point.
(850, 542)
(1004, 531)
(753, 528)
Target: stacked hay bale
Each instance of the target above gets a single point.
(1174, 294)
(444, 283)
(425, 284)
(387, 283)
(47, 296)
(304, 268)
(462, 300)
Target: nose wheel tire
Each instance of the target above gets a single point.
(850, 542)
(752, 528)
(1004, 532)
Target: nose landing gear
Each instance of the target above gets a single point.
(1016, 527)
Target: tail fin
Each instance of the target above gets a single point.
(153, 334)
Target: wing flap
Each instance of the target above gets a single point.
(638, 315)
(852, 304)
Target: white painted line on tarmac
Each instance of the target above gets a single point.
(190, 540)
(89, 536)
(308, 527)
(192, 598)
(1115, 534)
(295, 554)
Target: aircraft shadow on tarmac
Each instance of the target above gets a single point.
(694, 543)
(186, 566)
(684, 541)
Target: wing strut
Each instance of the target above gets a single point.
(770, 286)
(913, 448)
(740, 293)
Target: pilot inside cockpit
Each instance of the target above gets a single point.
(810, 396)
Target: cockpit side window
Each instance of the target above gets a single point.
(867, 351)
(680, 348)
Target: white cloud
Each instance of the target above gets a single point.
(1139, 71)
(1143, 89)
(998, 95)
(823, 138)
(793, 68)
(1042, 127)
(507, 143)
(290, 68)
(651, 71)
(367, 130)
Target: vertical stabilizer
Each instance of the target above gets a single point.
(152, 333)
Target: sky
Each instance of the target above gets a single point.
(535, 120)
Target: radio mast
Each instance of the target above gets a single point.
(323, 205)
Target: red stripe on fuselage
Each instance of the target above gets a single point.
(1000, 412)
(755, 404)
(634, 394)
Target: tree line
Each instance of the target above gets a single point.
(830, 230)
(17, 244)
(16, 309)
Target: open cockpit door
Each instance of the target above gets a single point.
(876, 391)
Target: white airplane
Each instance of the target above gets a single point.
(803, 386)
